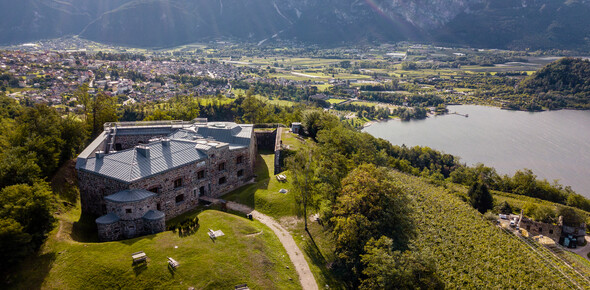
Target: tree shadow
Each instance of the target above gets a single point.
(317, 258)
(246, 194)
(30, 274)
(85, 230)
(132, 241)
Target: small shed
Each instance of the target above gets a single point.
(296, 128)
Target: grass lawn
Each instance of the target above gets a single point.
(322, 87)
(264, 197)
(291, 140)
(363, 103)
(335, 101)
(248, 253)
(277, 102)
(264, 194)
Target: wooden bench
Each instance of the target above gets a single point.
(139, 257)
(173, 263)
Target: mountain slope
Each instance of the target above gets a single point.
(167, 23)
(521, 24)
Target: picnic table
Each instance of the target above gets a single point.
(173, 263)
(214, 234)
(139, 257)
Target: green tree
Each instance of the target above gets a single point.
(315, 120)
(25, 219)
(74, 136)
(29, 205)
(480, 197)
(102, 109)
(544, 214)
(389, 269)
(370, 205)
(18, 165)
(184, 108)
(570, 216)
(304, 179)
(14, 242)
(39, 131)
(254, 110)
(504, 208)
(158, 115)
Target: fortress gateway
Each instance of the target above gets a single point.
(136, 175)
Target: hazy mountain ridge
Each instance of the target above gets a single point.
(155, 23)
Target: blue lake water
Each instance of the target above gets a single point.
(554, 144)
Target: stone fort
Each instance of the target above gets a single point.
(137, 175)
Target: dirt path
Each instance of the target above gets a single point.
(305, 276)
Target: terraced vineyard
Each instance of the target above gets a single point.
(571, 272)
(471, 253)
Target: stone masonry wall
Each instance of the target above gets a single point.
(138, 209)
(110, 232)
(266, 139)
(166, 200)
(537, 228)
(93, 189)
(154, 227)
(171, 200)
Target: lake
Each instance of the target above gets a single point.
(554, 144)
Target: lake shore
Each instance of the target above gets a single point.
(551, 143)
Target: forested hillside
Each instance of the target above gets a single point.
(567, 76)
(34, 142)
(566, 81)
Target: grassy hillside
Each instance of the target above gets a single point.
(248, 253)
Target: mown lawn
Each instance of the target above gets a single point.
(291, 140)
(264, 195)
(335, 101)
(248, 253)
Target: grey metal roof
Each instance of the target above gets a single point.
(226, 132)
(130, 195)
(130, 165)
(154, 215)
(89, 151)
(107, 219)
(232, 133)
(144, 131)
(187, 145)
